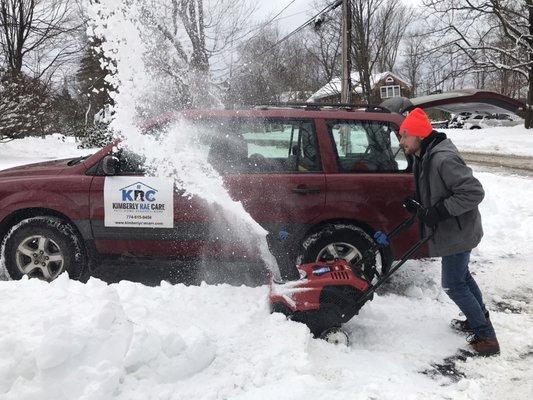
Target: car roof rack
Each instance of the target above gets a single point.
(317, 106)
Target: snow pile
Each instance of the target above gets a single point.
(37, 149)
(128, 341)
(514, 140)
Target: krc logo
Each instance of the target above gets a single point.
(138, 192)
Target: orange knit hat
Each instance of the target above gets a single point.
(416, 123)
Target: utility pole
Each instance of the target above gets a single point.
(346, 86)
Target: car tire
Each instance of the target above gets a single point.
(343, 239)
(44, 248)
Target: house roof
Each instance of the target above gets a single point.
(333, 87)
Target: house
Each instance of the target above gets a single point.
(384, 85)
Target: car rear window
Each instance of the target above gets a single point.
(367, 146)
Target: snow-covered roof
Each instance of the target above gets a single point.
(333, 87)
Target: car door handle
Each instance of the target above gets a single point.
(306, 190)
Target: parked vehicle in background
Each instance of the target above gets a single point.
(457, 120)
(479, 121)
(439, 124)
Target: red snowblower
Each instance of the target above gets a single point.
(329, 294)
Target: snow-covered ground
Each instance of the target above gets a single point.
(35, 149)
(514, 140)
(67, 340)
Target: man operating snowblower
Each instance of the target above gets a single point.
(449, 195)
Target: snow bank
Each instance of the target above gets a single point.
(67, 340)
(515, 140)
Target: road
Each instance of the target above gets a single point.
(520, 165)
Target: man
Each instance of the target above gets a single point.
(450, 196)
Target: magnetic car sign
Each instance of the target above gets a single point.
(138, 202)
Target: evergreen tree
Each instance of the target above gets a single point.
(94, 95)
(24, 106)
(91, 77)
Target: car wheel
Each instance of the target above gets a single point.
(342, 241)
(44, 248)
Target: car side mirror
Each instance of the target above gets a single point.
(110, 165)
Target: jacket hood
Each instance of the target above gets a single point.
(445, 146)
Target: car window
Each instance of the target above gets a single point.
(265, 146)
(367, 146)
(130, 163)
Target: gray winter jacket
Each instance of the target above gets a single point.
(441, 173)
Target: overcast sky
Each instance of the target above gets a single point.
(297, 13)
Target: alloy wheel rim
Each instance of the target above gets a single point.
(40, 257)
(339, 250)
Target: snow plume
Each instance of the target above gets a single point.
(179, 151)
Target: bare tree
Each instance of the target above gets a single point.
(324, 45)
(413, 62)
(476, 27)
(393, 19)
(36, 35)
(274, 73)
(378, 28)
(192, 33)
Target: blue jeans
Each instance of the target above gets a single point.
(461, 287)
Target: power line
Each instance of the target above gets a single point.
(328, 8)
(261, 27)
(221, 61)
(278, 14)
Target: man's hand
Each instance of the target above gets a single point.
(431, 216)
(410, 205)
(381, 238)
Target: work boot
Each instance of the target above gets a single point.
(484, 347)
(462, 325)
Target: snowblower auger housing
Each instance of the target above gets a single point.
(331, 293)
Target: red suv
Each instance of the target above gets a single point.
(320, 179)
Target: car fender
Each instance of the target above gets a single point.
(74, 206)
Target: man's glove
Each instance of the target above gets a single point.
(381, 238)
(433, 215)
(410, 205)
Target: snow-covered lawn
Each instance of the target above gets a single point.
(515, 140)
(35, 149)
(67, 340)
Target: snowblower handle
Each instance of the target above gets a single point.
(406, 223)
(403, 225)
(395, 268)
